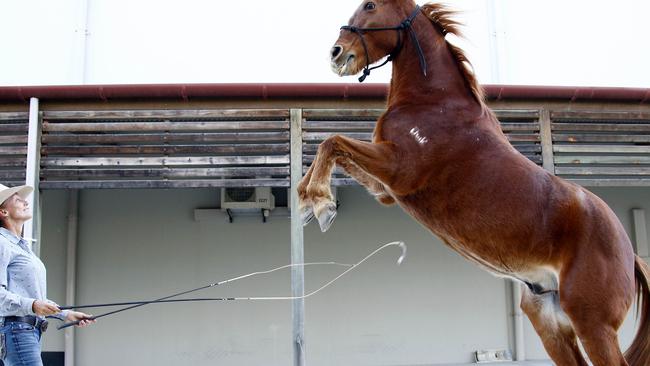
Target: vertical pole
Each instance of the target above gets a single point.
(497, 41)
(640, 233)
(32, 228)
(297, 248)
(546, 135)
(520, 353)
(71, 270)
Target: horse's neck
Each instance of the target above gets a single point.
(443, 81)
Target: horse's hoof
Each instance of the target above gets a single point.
(327, 216)
(306, 215)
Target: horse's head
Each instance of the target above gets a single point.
(374, 31)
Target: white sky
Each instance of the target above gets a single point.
(550, 42)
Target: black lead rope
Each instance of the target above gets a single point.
(406, 24)
(135, 305)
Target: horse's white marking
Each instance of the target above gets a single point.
(582, 196)
(415, 132)
(545, 276)
(551, 312)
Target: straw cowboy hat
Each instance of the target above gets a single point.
(6, 192)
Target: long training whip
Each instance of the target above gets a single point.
(165, 299)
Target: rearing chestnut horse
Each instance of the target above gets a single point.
(439, 153)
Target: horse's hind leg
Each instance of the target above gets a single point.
(553, 327)
(596, 293)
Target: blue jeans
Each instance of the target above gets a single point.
(22, 345)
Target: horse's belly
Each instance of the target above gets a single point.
(540, 278)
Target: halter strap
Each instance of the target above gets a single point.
(406, 24)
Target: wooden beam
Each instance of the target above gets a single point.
(546, 140)
(169, 114)
(165, 137)
(12, 175)
(514, 114)
(336, 126)
(619, 138)
(170, 173)
(14, 127)
(611, 182)
(608, 149)
(600, 170)
(601, 115)
(321, 136)
(13, 139)
(338, 114)
(602, 127)
(12, 116)
(128, 184)
(600, 159)
(163, 126)
(520, 127)
(163, 149)
(20, 161)
(537, 159)
(13, 150)
(521, 137)
(165, 161)
(310, 114)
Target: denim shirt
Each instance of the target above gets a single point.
(22, 276)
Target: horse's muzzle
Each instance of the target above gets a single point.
(342, 63)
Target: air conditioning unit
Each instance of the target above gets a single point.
(249, 198)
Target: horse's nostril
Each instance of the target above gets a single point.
(336, 51)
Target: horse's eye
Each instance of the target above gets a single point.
(369, 6)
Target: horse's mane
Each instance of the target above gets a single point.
(441, 16)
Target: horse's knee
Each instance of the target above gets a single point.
(328, 146)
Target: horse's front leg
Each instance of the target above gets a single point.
(375, 187)
(374, 159)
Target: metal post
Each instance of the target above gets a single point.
(297, 248)
(518, 321)
(71, 270)
(32, 228)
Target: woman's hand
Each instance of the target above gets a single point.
(85, 319)
(45, 308)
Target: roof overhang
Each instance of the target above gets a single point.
(186, 92)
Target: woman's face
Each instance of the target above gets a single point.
(15, 208)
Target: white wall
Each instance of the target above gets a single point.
(143, 244)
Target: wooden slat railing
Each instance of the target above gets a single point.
(602, 148)
(165, 149)
(245, 148)
(13, 147)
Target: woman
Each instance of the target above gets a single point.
(23, 301)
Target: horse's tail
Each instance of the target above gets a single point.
(639, 352)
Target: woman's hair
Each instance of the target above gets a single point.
(2, 220)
